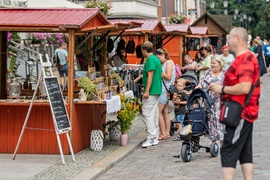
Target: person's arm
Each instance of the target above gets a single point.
(149, 84)
(263, 53)
(169, 69)
(206, 66)
(191, 66)
(137, 79)
(237, 89)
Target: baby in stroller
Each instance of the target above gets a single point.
(180, 100)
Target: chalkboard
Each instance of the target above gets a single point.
(57, 104)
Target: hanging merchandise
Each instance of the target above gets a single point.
(110, 45)
(130, 48)
(138, 51)
(121, 44)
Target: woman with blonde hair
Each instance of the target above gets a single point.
(168, 78)
(215, 74)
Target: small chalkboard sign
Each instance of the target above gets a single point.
(57, 104)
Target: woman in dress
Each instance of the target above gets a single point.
(258, 54)
(168, 78)
(213, 75)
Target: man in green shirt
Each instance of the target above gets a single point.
(152, 82)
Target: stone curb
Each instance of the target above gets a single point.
(100, 167)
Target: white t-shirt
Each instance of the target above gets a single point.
(227, 60)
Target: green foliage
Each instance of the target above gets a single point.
(102, 5)
(108, 126)
(13, 36)
(258, 11)
(177, 19)
(129, 109)
(88, 87)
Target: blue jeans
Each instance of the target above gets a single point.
(63, 70)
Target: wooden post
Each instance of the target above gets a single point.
(3, 64)
(180, 61)
(71, 52)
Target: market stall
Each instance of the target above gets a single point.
(150, 30)
(84, 116)
(176, 38)
(218, 26)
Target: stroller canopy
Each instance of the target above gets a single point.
(190, 78)
(197, 93)
(192, 81)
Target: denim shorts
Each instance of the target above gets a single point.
(180, 118)
(163, 98)
(63, 70)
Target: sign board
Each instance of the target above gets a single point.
(57, 104)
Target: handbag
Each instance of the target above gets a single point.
(170, 91)
(231, 110)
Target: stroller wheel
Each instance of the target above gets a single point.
(214, 149)
(186, 153)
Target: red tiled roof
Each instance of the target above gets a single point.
(147, 24)
(177, 27)
(200, 30)
(48, 17)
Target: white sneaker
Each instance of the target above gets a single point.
(151, 142)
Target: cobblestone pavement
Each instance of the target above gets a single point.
(86, 157)
(157, 162)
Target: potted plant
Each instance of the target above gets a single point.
(87, 87)
(129, 108)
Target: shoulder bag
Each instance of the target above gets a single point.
(231, 110)
(170, 91)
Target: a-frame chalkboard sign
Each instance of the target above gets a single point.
(58, 108)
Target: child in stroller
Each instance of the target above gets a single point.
(180, 101)
(198, 121)
(190, 83)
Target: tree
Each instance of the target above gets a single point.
(258, 10)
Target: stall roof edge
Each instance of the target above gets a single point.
(37, 19)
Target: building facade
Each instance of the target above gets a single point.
(134, 9)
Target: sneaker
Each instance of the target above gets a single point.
(151, 142)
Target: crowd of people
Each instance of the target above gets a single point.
(222, 74)
(228, 75)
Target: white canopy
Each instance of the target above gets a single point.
(52, 3)
(39, 4)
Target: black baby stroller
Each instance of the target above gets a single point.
(198, 105)
(192, 82)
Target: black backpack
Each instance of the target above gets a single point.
(110, 45)
(130, 48)
(139, 51)
(121, 44)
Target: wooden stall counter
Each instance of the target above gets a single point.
(40, 136)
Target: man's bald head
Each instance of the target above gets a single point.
(240, 32)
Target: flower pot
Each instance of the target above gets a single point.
(82, 95)
(123, 139)
(115, 133)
